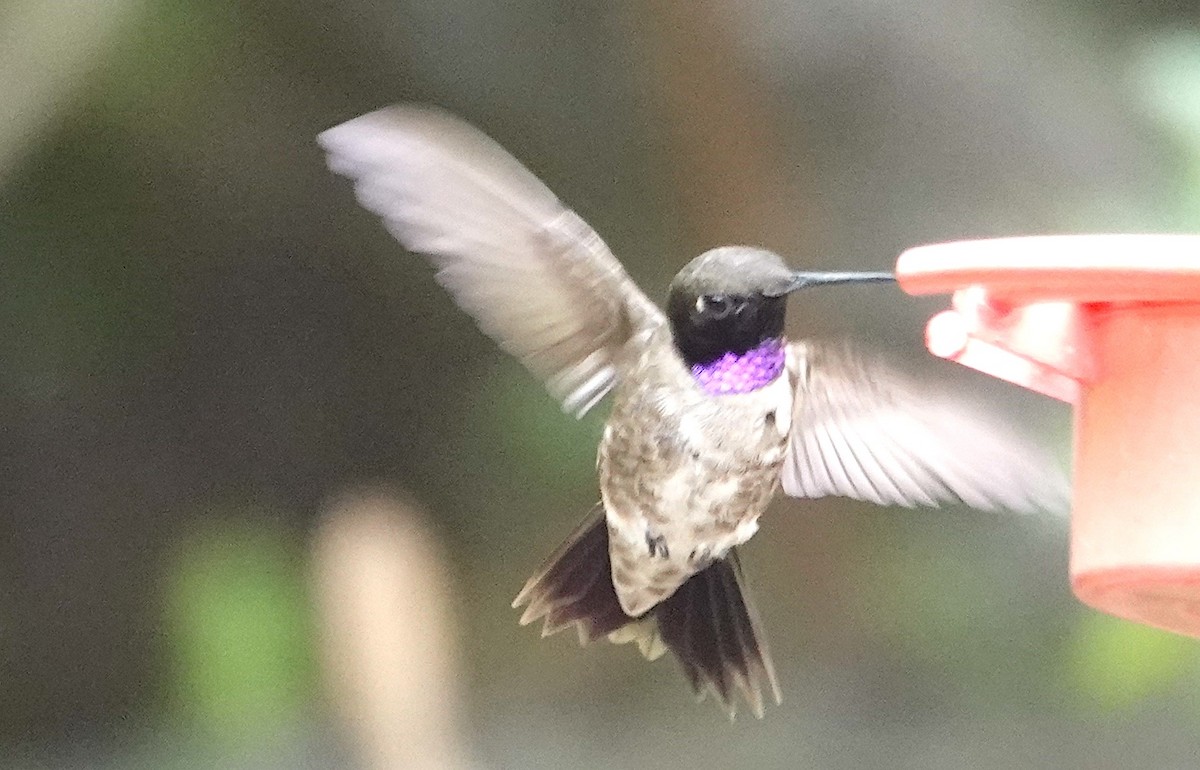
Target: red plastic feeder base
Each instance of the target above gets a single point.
(1111, 324)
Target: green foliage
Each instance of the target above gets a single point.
(90, 298)
(239, 631)
(1165, 75)
(1166, 83)
(537, 446)
(1115, 664)
(173, 63)
(937, 592)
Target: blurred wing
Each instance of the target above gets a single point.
(860, 430)
(535, 276)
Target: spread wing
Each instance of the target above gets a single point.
(863, 431)
(532, 273)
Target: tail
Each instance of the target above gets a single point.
(709, 623)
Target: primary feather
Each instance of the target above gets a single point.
(532, 273)
(864, 431)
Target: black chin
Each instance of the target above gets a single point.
(701, 339)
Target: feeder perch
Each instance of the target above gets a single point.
(1111, 325)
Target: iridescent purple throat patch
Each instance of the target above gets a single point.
(733, 373)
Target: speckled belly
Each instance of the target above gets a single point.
(681, 486)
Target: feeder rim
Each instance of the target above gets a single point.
(1091, 268)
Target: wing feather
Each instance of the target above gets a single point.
(863, 431)
(533, 274)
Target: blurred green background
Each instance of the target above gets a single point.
(207, 343)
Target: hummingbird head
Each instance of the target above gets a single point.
(734, 298)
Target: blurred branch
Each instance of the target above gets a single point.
(726, 152)
(389, 640)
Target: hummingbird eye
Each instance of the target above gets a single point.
(715, 306)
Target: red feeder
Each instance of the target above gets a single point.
(1110, 324)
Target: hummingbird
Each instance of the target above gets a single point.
(713, 409)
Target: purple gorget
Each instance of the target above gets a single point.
(741, 373)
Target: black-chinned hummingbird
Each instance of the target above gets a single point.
(712, 410)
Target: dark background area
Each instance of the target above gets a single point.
(206, 341)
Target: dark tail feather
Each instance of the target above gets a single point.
(711, 626)
(575, 585)
(709, 623)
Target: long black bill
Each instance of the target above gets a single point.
(803, 280)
